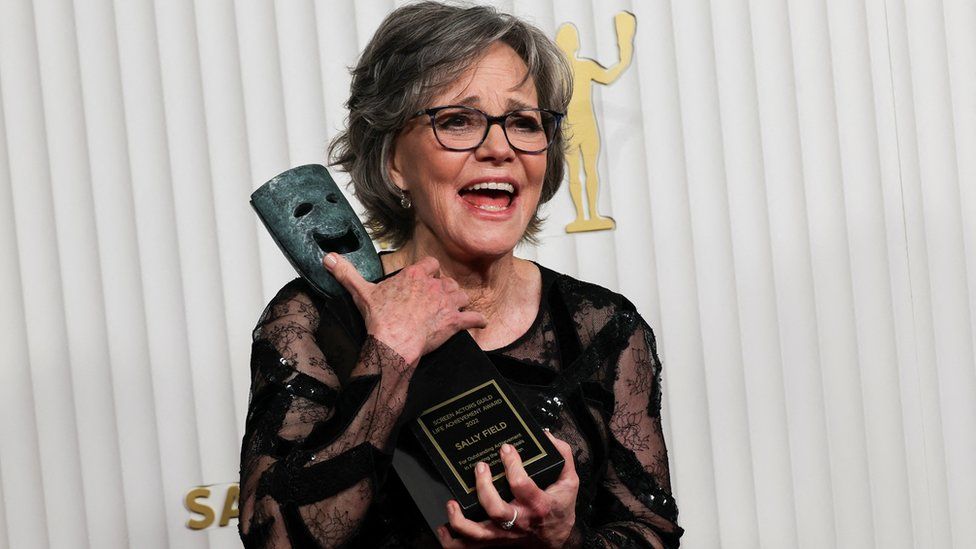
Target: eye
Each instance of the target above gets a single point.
(525, 122)
(455, 120)
(303, 209)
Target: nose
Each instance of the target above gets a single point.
(495, 147)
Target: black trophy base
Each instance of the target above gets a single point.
(460, 411)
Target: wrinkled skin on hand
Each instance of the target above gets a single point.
(413, 312)
(544, 518)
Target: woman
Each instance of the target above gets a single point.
(453, 142)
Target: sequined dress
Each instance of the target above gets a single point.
(313, 474)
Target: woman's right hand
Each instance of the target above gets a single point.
(412, 312)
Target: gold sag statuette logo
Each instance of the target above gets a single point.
(204, 501)
(583, 136)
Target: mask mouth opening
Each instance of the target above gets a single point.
(342, 244)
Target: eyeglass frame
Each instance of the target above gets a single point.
(492, 120)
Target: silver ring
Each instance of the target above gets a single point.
(508, 525)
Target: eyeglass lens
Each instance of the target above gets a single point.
(462, 128)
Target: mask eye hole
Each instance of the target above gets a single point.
(331, 197)
(303, 209)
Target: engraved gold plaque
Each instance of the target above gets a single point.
(465, 410)
(471, 427)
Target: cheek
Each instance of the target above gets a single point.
(440, 171)
(536, 174)
(425, 166)
(537, 166)
(531, 203)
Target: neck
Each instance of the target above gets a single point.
(489, 282)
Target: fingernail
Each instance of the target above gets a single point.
(480, 467)
(546, 429)
(330, 260)
(506, 448)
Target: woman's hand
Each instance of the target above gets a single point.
(543, 518)
(412, 312)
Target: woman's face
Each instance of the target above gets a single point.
(469, 223)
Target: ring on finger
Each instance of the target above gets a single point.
(508, 525)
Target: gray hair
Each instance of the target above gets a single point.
(417, 51)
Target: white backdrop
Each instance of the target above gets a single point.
(796, 217)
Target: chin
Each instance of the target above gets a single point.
(484, 248)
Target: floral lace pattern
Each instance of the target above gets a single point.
(321, 426)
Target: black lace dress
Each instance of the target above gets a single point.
(314, 471)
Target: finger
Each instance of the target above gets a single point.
(471, 319)
(429, 265)
(569, 465)
(450, 285)
(525, 490)
(495, 507)
(346, 274)
(446, 540)
(474, 532)
(464, 527)
(460, 299)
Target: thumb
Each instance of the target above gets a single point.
(565, 450)
(471, 319)
(346, 274)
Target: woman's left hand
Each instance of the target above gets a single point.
(543, 518)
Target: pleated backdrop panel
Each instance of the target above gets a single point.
(794, 196)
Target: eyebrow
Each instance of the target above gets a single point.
(470, 101)
(511, 104)
(514, 104)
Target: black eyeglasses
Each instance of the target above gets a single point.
(459, 128)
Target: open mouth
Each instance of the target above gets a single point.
(341, 244)
(492, 196)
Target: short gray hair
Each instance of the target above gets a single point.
(416, 51)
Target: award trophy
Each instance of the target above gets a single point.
(459, 409)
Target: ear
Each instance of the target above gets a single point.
(394, 167)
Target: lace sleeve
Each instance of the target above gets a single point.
(642, 510)
(313, 448)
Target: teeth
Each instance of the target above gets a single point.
(491, 208)
(493, 186)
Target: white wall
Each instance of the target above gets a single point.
(796, 217)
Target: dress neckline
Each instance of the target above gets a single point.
(548, 277)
